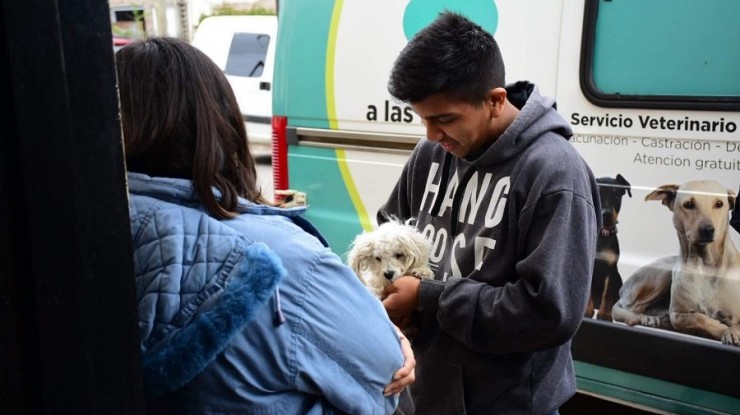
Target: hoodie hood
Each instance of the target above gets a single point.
(537, 118)
(538, 115)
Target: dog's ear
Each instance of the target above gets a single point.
(627, 186)
(666, 194)
(359, 254)
(419, 249)
(732, 198)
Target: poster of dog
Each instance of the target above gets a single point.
(694, 290)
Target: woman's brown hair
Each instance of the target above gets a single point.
(180, 119)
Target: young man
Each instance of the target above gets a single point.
(512, 210)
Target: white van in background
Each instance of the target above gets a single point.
(244, 48)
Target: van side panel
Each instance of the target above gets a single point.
(324, 165)
(348, 140)
(304, 93)
(646, 151)
(653, 393)
(301, 54)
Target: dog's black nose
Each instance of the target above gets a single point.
(706, 232)
(389, 275)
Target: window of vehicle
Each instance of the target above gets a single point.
(656, 54)
(128, 21)
(247, 54)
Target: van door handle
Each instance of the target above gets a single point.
(265, 86)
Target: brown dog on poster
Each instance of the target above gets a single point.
(704, 280)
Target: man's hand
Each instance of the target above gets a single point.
(401, 300)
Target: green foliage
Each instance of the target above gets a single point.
(128, 32)
(231, 10)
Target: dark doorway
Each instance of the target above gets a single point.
(67, 312)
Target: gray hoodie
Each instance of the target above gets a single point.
(514, 235)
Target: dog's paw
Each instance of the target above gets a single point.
(604, 316)
(658, 322)
(423, 273)
(731, 336)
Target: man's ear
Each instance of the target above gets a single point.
(495, 101)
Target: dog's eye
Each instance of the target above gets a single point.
(377, 258)
(718, 204)
(399, 255)
(689, 205)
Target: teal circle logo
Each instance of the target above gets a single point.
(419, 13)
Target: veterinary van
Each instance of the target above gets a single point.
(244, 48)
(652, 93)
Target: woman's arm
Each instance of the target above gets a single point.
(347, 349)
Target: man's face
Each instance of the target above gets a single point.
(459, 127)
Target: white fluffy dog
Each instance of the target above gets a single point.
(392, 250)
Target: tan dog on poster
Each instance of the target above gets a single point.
(704, 280)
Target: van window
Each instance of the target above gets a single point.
(247, 54)
(657, 51)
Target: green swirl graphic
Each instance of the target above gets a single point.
(420, 13)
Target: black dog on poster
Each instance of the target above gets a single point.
(606, 281)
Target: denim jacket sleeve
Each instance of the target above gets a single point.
(346, 348)
(334, 343)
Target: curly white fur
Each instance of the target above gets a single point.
(392, 250)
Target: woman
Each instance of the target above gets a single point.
(242, 308)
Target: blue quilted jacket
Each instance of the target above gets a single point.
(252, 315)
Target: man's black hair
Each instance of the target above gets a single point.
(452, 55)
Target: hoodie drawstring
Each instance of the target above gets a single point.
(279, 316)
